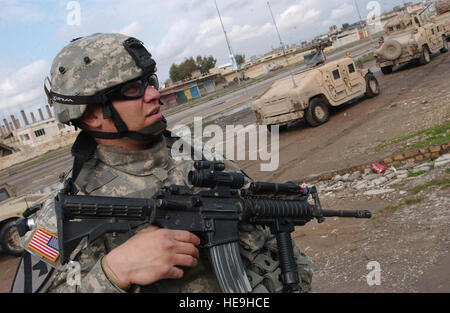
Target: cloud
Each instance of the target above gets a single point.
(23, 88)
(247, 32)
(296, 15)
(18, 12)
(338, 15)
(176, 43)
(132, 30)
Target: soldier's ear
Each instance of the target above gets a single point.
(93, 117)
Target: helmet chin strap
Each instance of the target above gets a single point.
(144, 134)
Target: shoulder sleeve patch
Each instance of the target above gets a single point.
(31, 274)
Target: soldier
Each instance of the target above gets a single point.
(106, 85)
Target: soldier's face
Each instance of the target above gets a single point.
(140, 113)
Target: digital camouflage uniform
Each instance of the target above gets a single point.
(114, 171)
(86, 67)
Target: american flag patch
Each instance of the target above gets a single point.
(45, 243)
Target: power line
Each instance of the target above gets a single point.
(281, 42)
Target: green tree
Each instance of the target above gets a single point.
(204, 64)
(189, 66)
(174, 73)
(240, 59)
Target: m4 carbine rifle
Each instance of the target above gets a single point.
(213, 214)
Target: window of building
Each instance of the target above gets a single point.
(399, 27)
(39, 132)
(391, 29)
(351, 68)
(432, 31)
(25, 137)
(61, 126)
(336, 74)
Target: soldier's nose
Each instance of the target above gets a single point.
(151, 94)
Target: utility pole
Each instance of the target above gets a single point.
(359, 13)
(361, 21)
(228, 42)
(281, 42)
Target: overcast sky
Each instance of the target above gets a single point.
(34, 31)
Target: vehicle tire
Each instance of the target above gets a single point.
(425, 58)
(391, 50)
(372, 86)
(317, 113)
(444, 45)
(386, 70)
(10, 239)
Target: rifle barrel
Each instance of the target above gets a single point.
(347, 213)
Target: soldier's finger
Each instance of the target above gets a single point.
(185, 236)
(172, 272)
(186, 248)
(149, 229)
(184, 260)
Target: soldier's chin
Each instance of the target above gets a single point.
(158, 132)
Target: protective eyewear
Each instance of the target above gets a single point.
(133, 89)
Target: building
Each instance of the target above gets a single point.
(412, 8)
(348, 36)
(5, 149)
(42, 132)
(187, 90)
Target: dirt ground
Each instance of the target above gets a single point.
(410, 244)
(410, 241)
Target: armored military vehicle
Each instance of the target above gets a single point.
(11, 209)
(443, 16)
(410, 37)
(315, 91)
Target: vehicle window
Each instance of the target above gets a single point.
(351, 68)
(3, 194)
(336, 74)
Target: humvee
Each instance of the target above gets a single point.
(410, 37)
(443, 16)
(11, 209)
(315, 90)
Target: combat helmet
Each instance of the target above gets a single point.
(88, 68)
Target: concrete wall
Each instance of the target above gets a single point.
(32, 152)
(345, 40)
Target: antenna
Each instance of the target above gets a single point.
(227, 40)
(281, 42)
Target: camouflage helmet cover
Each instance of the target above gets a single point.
(87, 66)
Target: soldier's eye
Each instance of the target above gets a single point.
(132, 89)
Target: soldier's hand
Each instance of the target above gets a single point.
(153, 254)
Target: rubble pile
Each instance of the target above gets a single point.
(368, 183)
